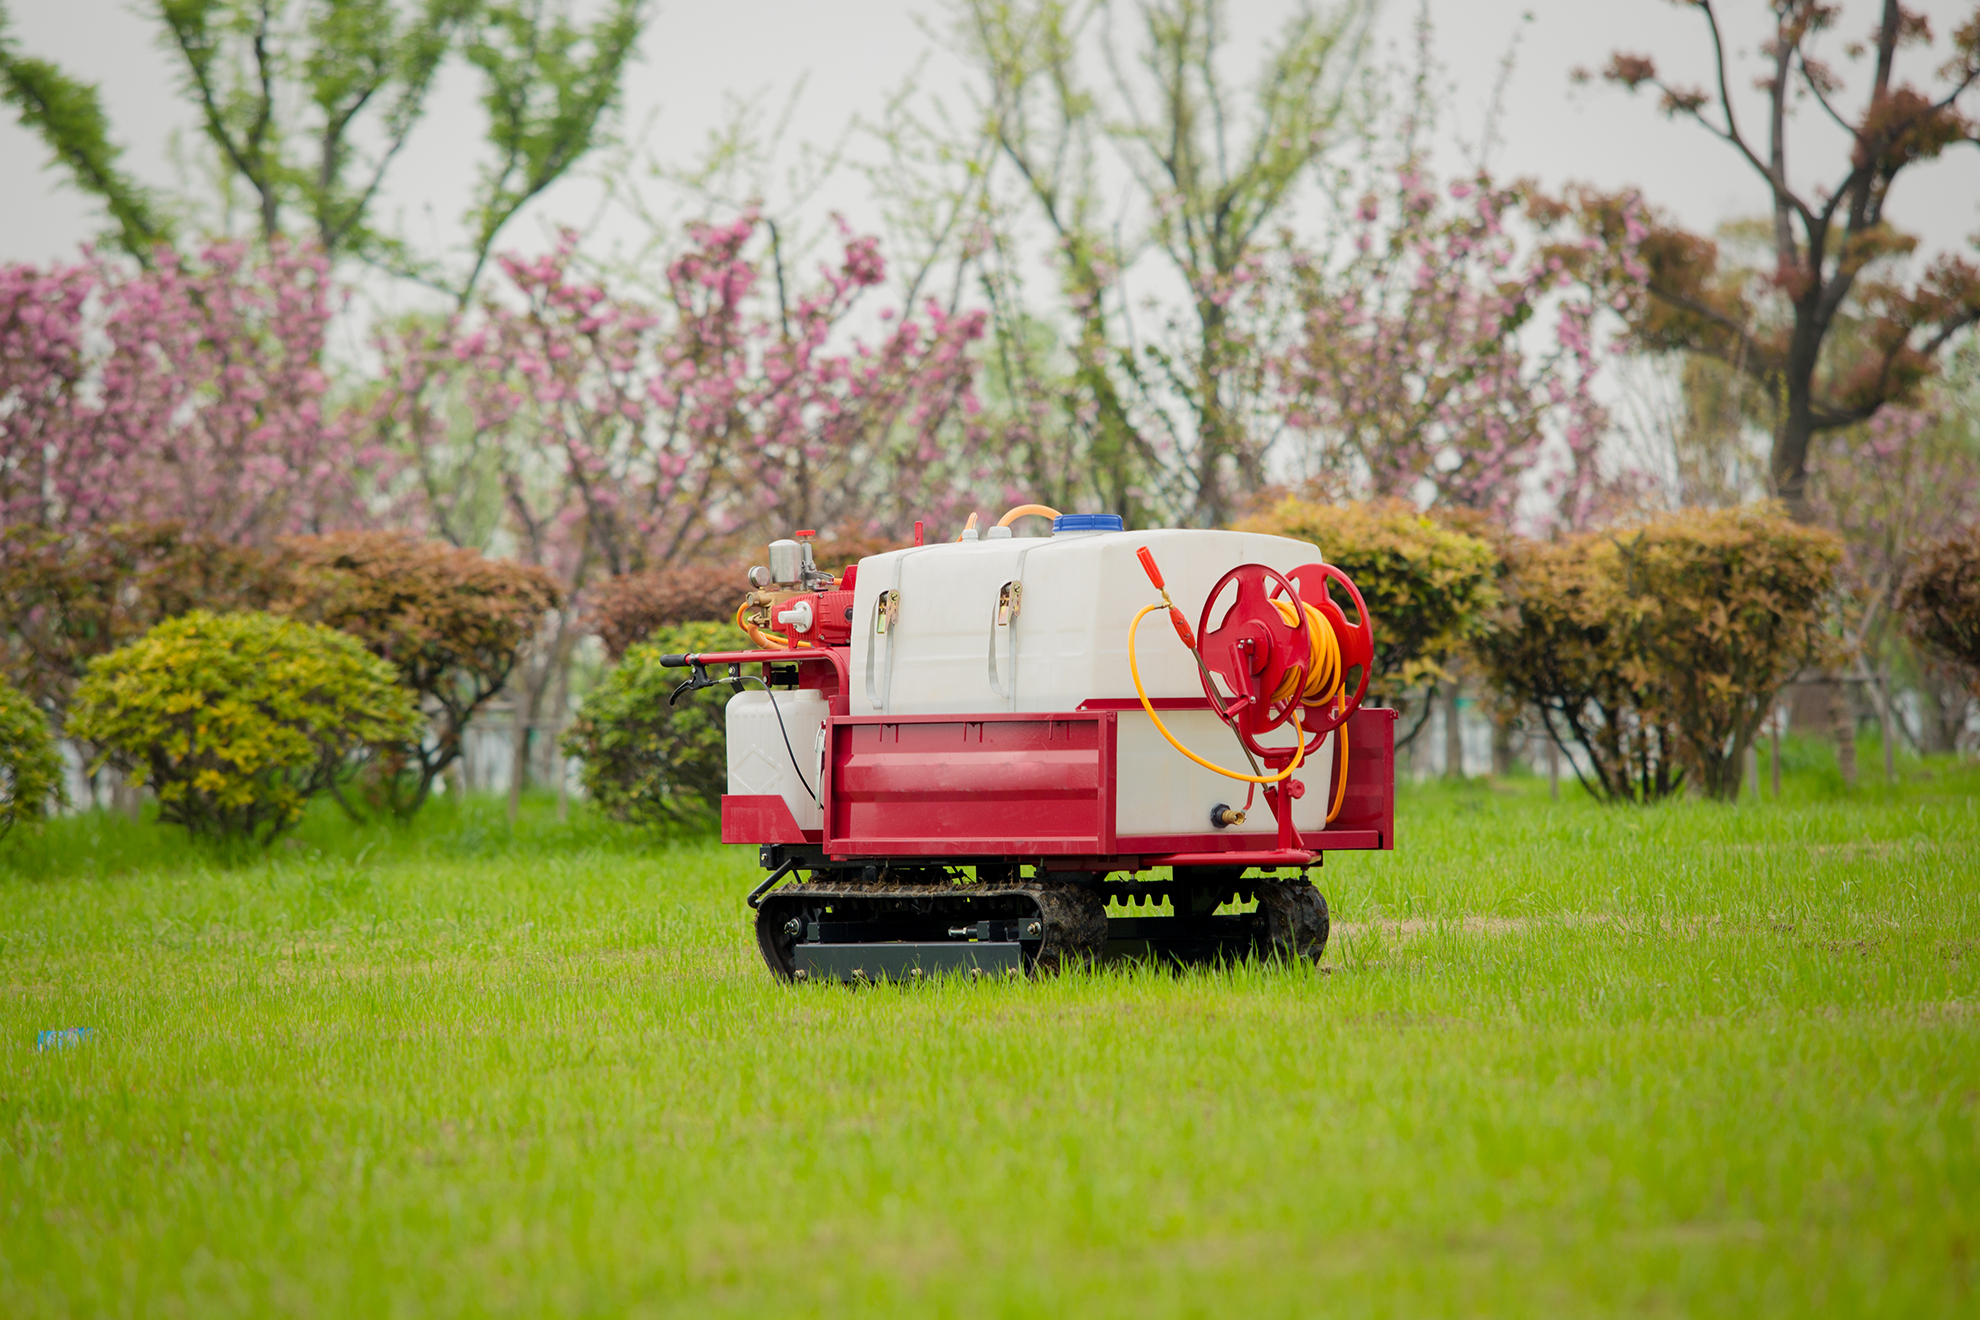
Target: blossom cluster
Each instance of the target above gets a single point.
(1415, 369)
(192, 391)
(629, 434)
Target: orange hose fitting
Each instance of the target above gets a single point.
(1026, 511)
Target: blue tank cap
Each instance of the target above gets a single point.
(1088, 522)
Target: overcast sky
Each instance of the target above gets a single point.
(854, 52)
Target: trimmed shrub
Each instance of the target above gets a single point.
(450, 621)
(1430, 588)
(648, 763)
(64, 602)
(30, 767)
(1942, 603)
(1724, 606)
(630, 608)
(1659, 649)
(236, 720)
(1560, 647)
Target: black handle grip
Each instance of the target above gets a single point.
(675, 661)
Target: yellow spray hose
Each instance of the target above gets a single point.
(1134, 668)
(1324, 682)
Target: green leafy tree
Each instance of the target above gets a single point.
(1117, 132)
(547, 85)
(30, 767)
(307, 105)
(237, 720)
(67, 115)
(647, 762)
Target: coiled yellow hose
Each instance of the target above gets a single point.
(1323, 668)
(1134, 668)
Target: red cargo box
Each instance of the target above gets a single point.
(947, 785)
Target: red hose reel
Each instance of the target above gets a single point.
(1259, 655)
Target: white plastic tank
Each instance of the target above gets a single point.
(759, 762)
(1041, 624)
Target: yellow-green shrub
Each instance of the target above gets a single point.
(30, 767)
(236, 720)
(1562, 648)
(1430, 588)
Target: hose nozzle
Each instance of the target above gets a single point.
(1175, 615)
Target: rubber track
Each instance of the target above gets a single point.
(1075, 916)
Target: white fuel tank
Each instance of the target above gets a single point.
(1041, 624)
(759, 761)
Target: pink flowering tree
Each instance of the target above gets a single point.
(613, 436)
(1446, 357)
(192, 392)
(1906, 478)
(56, 468)
(622, 435)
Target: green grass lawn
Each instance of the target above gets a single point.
(1561, 1060)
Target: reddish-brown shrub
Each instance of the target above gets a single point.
(627, 610)
(1942, 603)
(66, 600)
(450, 621)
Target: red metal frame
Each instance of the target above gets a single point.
(1036, 786)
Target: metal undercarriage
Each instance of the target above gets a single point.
(905, 922)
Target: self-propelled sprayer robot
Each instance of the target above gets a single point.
(970, 749)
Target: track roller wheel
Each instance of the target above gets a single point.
(1075, 925)
(1295, 916)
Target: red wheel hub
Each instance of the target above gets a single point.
(1252, 649)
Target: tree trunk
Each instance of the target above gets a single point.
(1776, 755)
(1842, 720)
(1502, 745)
(1943, 718)
(1887, 726)
(1453, 736)
(559, 771)
(127, 798)
(1787, 465)
(1553, 770)
(519, 749)
(547, 666)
